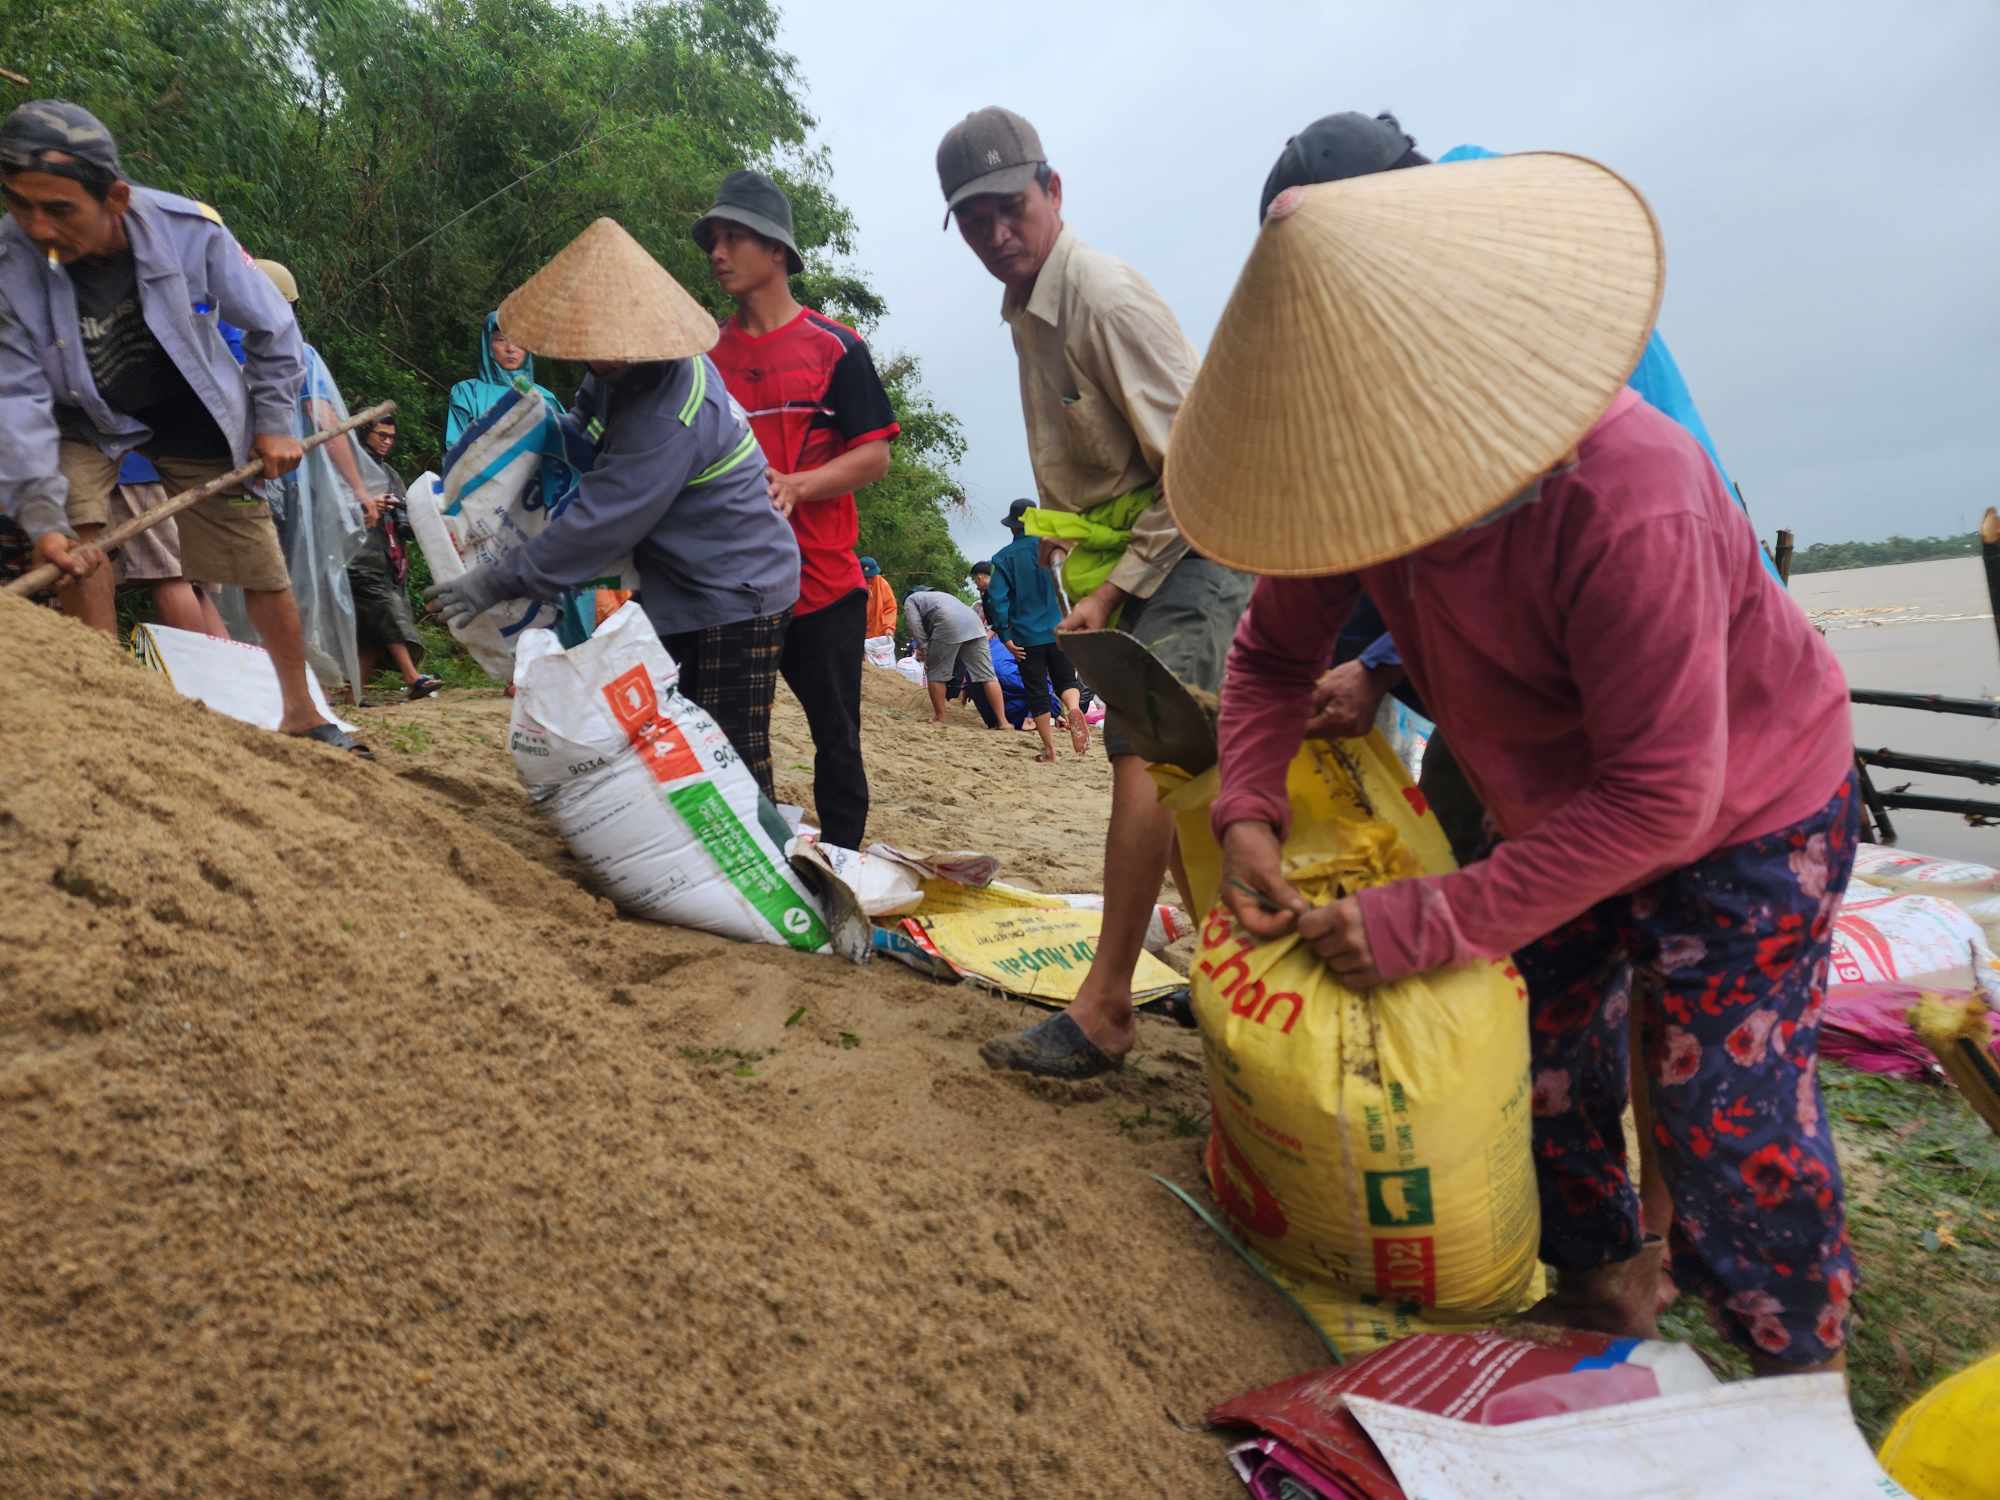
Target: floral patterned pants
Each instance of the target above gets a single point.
(1728, 959)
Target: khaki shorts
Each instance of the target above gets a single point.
(227, 538)
(155, 553)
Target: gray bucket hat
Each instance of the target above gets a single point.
(758, 204)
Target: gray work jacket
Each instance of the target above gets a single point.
(678, 482)
(190, 272)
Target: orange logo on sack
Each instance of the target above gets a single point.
(659, 741)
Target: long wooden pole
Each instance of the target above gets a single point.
(1977, 708)
(1989, 547)
(37, 579)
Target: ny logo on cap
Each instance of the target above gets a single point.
(992, 158)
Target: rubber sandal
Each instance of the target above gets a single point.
(423, 687)
(1177, 1006)
(336, 737)
(1055, 1048)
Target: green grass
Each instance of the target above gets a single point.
(1923, 1197)
(407, 738)
(444, 658)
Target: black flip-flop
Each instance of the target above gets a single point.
(423, 687)
(338, 738)
(1055, 1048)
(1177, 1006)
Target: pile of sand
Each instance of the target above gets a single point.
(350, 1149)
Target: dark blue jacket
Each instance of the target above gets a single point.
(1022, 603)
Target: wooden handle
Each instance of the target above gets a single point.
(37, 579)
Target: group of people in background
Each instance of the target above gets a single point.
(1577, 596)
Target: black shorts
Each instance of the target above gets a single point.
(1044, 668)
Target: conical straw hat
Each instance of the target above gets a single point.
(604, 297)
(1404, 352)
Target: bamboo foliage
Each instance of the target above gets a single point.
(349, 139)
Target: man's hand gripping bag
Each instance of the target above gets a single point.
(1373, 1149)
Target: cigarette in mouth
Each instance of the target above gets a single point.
(54, 259)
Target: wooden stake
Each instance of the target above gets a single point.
(36, 579)
(1989, 547)
(1782, 556)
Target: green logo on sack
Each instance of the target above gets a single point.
(746, 866)
(1399, 1200)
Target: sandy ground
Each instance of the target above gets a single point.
(352, 1150)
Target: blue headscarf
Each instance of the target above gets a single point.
(473, 399)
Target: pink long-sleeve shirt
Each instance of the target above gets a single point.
(1623, 684)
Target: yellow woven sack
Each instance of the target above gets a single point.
(1947, 1445)
(1372, 1148)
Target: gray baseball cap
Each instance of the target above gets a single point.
(759, 205)
(40, 127)
(992, 150)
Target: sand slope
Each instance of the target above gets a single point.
(351, 1150)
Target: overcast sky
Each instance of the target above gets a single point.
(1824, 174)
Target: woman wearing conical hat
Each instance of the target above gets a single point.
(677, 482)
(1418, 390)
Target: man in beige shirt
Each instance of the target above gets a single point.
(1104, 367)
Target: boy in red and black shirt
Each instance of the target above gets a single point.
(825, 425)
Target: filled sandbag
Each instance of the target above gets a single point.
(648, 792)
(1972, 887)
(1942, 1447)
(510, 474)
(1883, 936)
(1373, 1149)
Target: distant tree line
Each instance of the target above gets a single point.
(1830, 557)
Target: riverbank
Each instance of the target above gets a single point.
(354, 1149)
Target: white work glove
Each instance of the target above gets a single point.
(464, 598)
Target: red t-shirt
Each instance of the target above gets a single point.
(812, 393)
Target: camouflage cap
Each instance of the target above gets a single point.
(63, 139)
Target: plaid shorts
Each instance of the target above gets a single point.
(732, 671)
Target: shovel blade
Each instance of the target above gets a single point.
(1157, 711)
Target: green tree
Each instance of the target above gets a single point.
(1829, 557)
(904, 514)
(413, 161)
